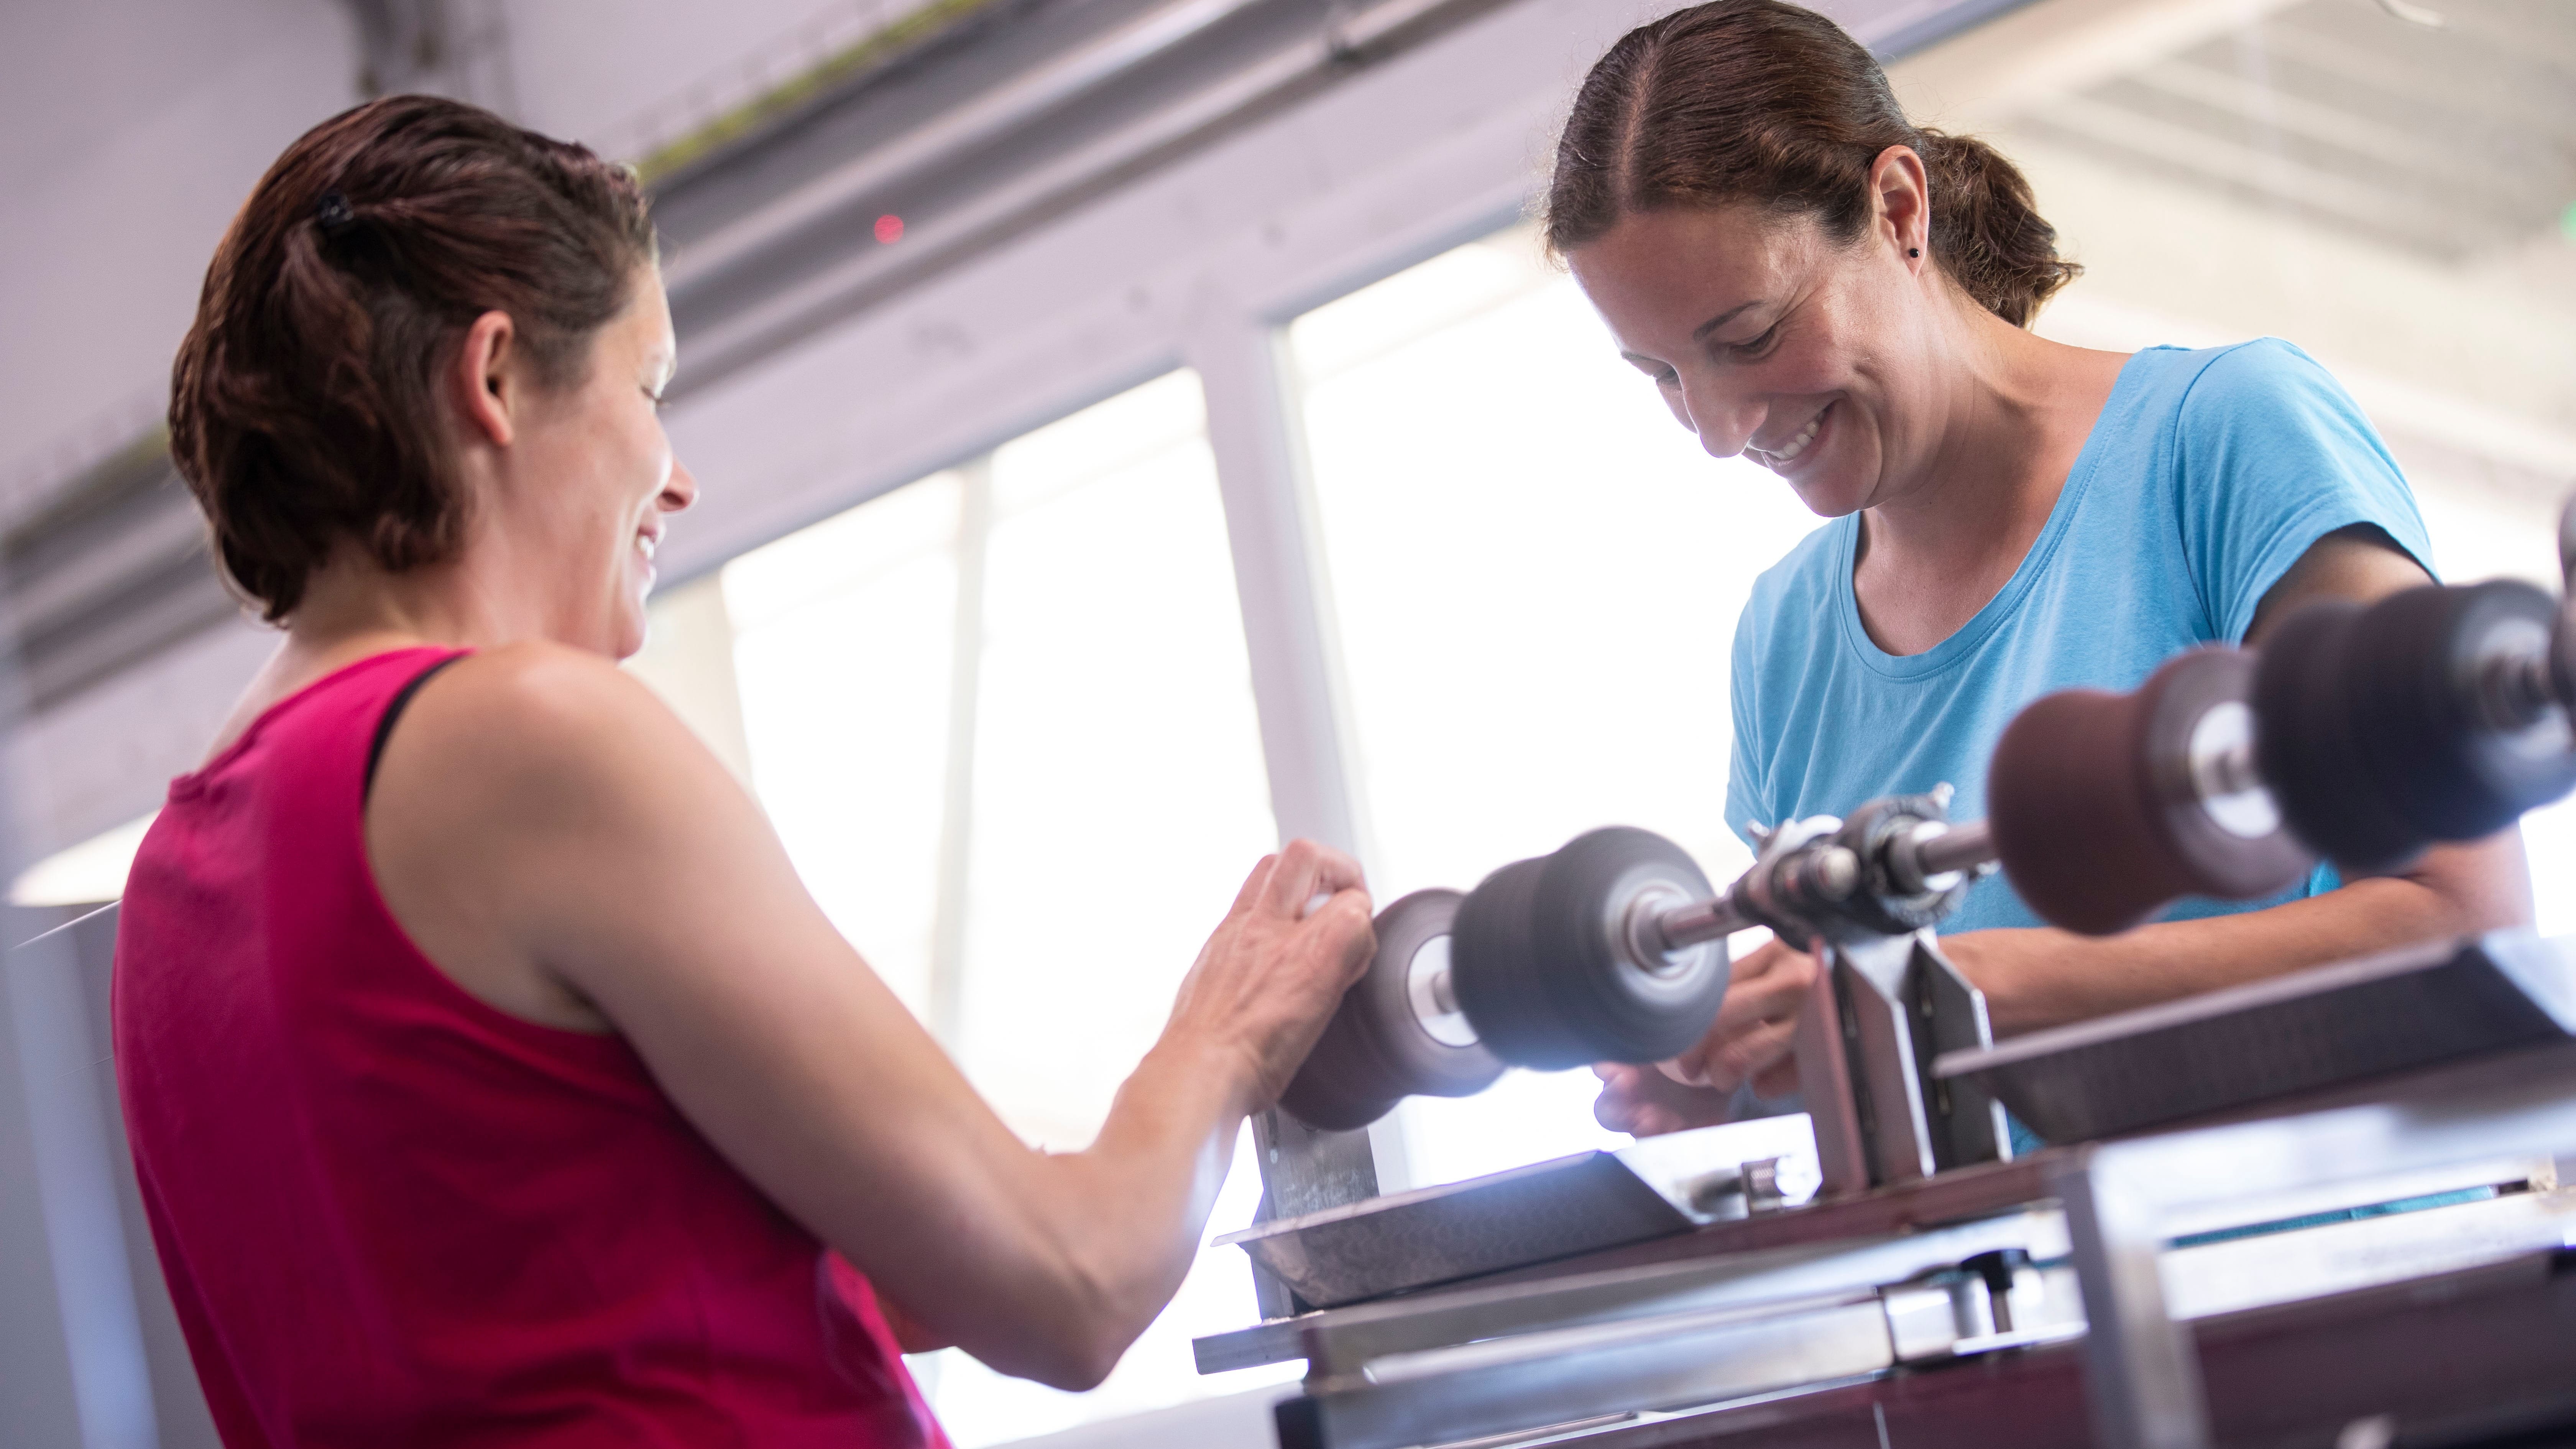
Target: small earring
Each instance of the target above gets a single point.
(1914, 251)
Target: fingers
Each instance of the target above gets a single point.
(1777, 997)
(1618, 1107)
(1756, 1023)
(1645, 1103)
(1778, 1079)
(1347, 928)
(1254, 884)
(1776, 991)
(1322, 887)
(1306, 869)
(1763, 960)
(1749, 1055)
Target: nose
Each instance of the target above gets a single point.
(1725, 419)
(679, 490)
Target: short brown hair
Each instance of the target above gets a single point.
(1761, 101)
(303, 405)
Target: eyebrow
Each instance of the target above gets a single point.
(1700, 333)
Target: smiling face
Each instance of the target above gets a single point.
(596, 479)
(1768, 338)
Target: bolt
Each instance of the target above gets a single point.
(1837, 872)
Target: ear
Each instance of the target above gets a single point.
(485, 383)
(1901, 202)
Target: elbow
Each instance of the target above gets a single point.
(2476, 886)
(1074, 1341)
(2502, 915)
(2501, 897)
(1097, 1328)
(1080, 1368)
(1076, 1359)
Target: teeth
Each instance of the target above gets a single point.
(648, 543)
(1798, 444)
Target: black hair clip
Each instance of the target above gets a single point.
(332, 213)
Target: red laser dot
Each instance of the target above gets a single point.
(889, 229)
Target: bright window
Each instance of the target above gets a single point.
(1535, 573)
(1002, 719)
(843, 655)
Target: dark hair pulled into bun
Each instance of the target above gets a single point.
(1761, 101)
(304, 405)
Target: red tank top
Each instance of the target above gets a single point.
(391, 1214)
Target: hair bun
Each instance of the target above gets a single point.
(332, 213)
(1987, 227)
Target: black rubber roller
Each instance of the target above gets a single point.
(1544, 964)
(2107, 807)
(1398, 1033)
(2377, 737)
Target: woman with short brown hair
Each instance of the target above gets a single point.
(491, 1079)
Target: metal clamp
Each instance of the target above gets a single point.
(1881, 1012)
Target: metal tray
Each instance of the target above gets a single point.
(1533, 1214)
(2303, 1032)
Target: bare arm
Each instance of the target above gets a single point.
(2043, 977)
(542, 823)
(2039, 978)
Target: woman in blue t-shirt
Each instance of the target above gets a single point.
(1813, 281)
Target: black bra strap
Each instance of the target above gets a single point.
(393, 711)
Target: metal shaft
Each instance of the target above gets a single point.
(1685, 926)
(1961, 847)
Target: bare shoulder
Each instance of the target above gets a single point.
(540, 748)
(536, 713)
(534, 691)
(534, 809)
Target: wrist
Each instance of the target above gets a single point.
(1195, 1066)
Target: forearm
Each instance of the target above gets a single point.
(2042, 978)
(1135, 1203)
(1120, 1222)
(596, 846)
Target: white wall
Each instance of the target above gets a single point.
(625, 77)
(130, 130)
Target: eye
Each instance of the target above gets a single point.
(1659, 373)
(1759, 346)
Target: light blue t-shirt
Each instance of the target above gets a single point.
(2207, 476)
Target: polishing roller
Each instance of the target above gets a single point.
(2360, 734)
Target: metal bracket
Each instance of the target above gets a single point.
(1882, 1011)
(1304, 1170)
